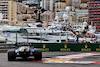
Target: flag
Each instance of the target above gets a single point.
(70, 25)
(75, 38)
(58, 27)
(28, 25)
(8, 34)
(95, 38)
(62, 28)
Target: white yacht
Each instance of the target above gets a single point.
(47, 35)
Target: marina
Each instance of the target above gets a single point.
(46, 35)
(49, 33)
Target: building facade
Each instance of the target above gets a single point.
(33, 1)
(84, 6)
(8, 9)
(76, 3)
(83, 18)
(60, 0)
(94, 13)
(48, 4)
(21, 10)
(59, 6)
(7, 0)
(79, 13)
(71, 15)
(47, 16)
(84, 1)
(68, 2)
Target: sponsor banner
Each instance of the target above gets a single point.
(66, 47)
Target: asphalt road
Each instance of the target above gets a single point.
(32, 63)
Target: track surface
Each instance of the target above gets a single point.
(32, 63)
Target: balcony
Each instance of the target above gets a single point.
(94, 10)
(95, 16)
(94, 19)
(94, 22)
(94, 13)
(97, 29)
(94, 2)
(95, 5)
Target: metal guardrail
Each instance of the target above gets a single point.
(5, 47)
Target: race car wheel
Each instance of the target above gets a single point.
(11, 55)
(38, 54)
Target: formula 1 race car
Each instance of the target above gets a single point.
(24, 51)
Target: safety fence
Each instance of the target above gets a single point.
(57, 47)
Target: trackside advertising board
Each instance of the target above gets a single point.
(67, 47)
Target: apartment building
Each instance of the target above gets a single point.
(79, 13)
(94, 13)
(76, 3)
(68, 2)
(8, 9)
(59, 6)
(48, 4)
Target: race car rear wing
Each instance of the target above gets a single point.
(23, 44)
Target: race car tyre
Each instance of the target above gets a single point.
(38, 54)
(11, 55)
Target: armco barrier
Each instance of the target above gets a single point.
(4, 47)
(57, 47)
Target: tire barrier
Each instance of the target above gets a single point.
(57, 47)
